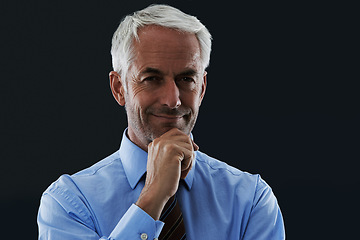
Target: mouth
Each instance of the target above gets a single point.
(170, 118)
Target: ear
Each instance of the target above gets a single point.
(117, 87)
(203, 87)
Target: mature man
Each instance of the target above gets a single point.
(158, 185)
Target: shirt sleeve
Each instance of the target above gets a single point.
(142, 224)
(64, 216)
(266, 221)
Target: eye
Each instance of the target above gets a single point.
(186, 83)
(187, 79)
(151, 79)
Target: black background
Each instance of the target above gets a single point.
(281, 101)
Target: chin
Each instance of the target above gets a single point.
(160, 131)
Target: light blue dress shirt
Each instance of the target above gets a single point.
(217, 201)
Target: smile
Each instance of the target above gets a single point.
(170, 118)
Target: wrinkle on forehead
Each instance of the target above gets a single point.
(159, 45)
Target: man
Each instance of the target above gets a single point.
(159, 59)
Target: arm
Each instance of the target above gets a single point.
(170, 158)
(58, 220)
(64, 215)
(265, 222)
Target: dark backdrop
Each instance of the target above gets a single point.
(281, 101)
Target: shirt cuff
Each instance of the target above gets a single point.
(136, 224)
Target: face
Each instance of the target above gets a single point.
(165, 84)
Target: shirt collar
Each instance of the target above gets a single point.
(134, 161)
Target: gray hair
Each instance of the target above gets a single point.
(161, 15)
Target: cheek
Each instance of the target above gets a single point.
(137, 90)
(193, 97)
(139, 98)
(191, 100)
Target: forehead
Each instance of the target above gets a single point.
(166, 48)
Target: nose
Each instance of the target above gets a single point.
(170, 94)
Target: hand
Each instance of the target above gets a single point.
(170, 158)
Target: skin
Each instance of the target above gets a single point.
(165, 86)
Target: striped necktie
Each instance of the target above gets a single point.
(171, 215)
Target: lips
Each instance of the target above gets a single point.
(168, 118)
(169, 114)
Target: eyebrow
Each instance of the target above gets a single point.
(188, 72)
(150, 70)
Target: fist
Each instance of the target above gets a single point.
(170, 158)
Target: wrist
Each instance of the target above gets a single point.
(151, 202)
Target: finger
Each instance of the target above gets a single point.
(184, 142)
(177, 134)
(186, 163)
(173, 132)
(187, 160)
(195, 146)
(185, 172)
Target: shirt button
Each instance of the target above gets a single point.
(144, 236)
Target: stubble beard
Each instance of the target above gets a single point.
(146, 132)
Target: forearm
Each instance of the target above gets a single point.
(58, 221)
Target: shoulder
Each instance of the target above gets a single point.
(72, 193)
(223, 173)
(103, 165)
(213, 165)
(71, 185)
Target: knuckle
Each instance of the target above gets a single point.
(170, 147)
